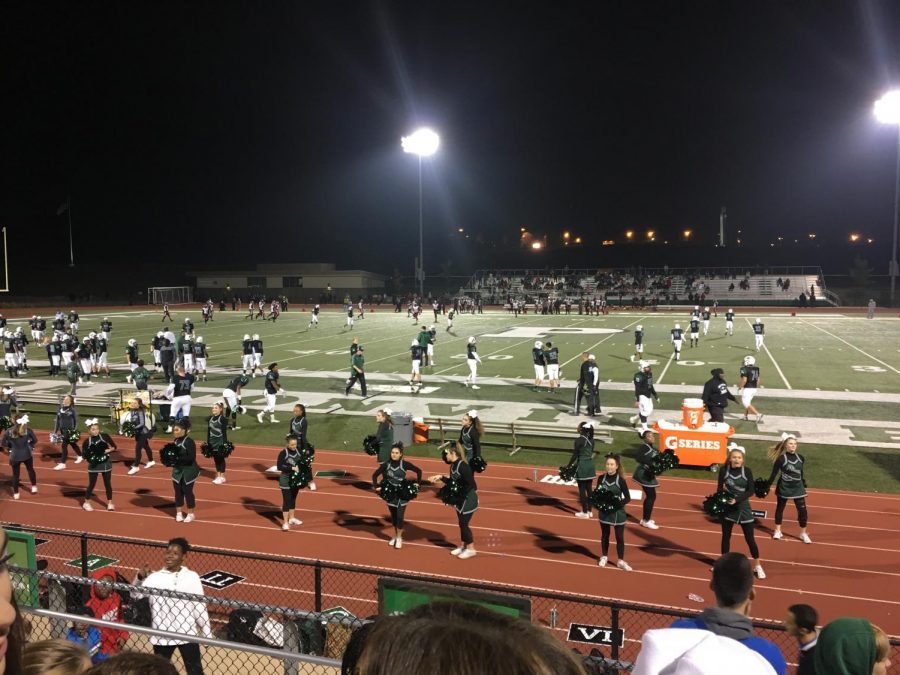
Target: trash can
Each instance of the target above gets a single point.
(420, 430)
(403, 428)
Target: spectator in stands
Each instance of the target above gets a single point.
(732, 583)
(11, 625)
(354, 648)
(175, 614)
(134, 663)
(850, 646)
(106, 603)
(85, 635)
(54, 657)
(673, 651)
(464, 639)
(801, 622)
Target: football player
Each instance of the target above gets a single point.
(729, 322)
(695, 332)
(643, 390)
(748, 387)
(429, 348)
(313, 318)
(200, 357)
(257, 346)
(537, 357)
(246, 356)
(638, 343)
(759, 332)
(131, 356)
(706, 316)
(105, 327)
(472, 359)
(415, 350)
(677, 338)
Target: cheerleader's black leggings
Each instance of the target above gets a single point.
(220, 463)
(584, 494)
(397, 515)
(800, 503)
(65, 447)
(16, 467)
(465, 531)
(289, 498)
(727, 526)
(620, 539)
(92, 483)
(649, 501)
(184, 493)
(142, 442)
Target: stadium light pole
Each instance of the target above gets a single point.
(423, 143)
(887, 111)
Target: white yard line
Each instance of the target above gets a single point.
(599, 342)
(836, 337)
(668, 363)
(774, 362)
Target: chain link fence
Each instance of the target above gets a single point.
(338, 597)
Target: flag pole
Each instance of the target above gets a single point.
(71, 247)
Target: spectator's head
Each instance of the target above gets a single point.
(55, 657)
(801, 621)
(12, 634)
(107, 577)
(732, 582)
(176, 552)
(133, 663)
(464, 639)
(80, 627)
(849, 646)
(354, 649)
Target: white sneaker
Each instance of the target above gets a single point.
(805, 538)
(128, 379)
(777, 534)
(259, 418)
(582, 514)
(392, 541)
(468, 553)
(760, 574)
(475, 386)
(649, 524)
(624, 566)
(399, 543)
(633, 419)
(272, 419)
(15, 495)
(87, 507)
(295, 521)
(179, 517)
(150, 464)
(133, 470)
(221, 479)
(312, 485)
(456, 551)
(189, 517)
(59, 467)
(603, 560)
(110, 507)
(34, 489)
(79, 459)
(285, 527)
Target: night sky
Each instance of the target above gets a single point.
(270, 131)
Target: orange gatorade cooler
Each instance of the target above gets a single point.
(706, 445)
(692, 413)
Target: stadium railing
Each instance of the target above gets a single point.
(322, 584)
(514, 430)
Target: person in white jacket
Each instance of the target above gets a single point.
(691, 651)
(176, 615)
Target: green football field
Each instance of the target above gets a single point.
(832, 379)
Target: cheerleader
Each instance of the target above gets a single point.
(737, 480)
(185, 471)
(394, 471)
(137, 416)
(299, 427)
(643, 475)
(583, 461)
(8, 403)
(66, 423)
(288, 463)
(470, 435)
(791, 484)
(385, 434)
(460, 470)
(216, 437)
(613, 479)
(103, 468)
(20, 440)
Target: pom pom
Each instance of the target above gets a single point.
(302, 478)
(452, 493)
(222, 451)
(605, 501)
(478, 464)
(128, 429)
(716, 505)
(663, 462)
(404, 491)
(567, 473)
(371, 445)
(309, 449)
(169, 454)
(761, 487)
(96, 453)
(72, 435)
(5, 423)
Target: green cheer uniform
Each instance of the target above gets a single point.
(385, 436)
(791, 484)
(217, 431)
(583, 458)
(643, 474)
(471, 442)
(395, 472)
(739, 483)
(186, 467)
(618, 487)
(463, 473)
(287, 460)
(106, 464)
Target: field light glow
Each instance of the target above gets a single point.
(422, 142)
(537, 246)
(887, 108)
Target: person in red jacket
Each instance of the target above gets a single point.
(106, 604)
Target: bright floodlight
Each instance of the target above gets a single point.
(422, 142)
(887, 108)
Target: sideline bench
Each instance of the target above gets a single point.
(108, 403)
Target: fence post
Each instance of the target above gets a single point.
(317, 572)
(84, 554)
(614, 651)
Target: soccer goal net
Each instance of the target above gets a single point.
(174, 295)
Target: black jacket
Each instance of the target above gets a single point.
(716, 394)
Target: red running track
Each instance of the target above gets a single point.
(525, 533)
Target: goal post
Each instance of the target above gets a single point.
(174, 295)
